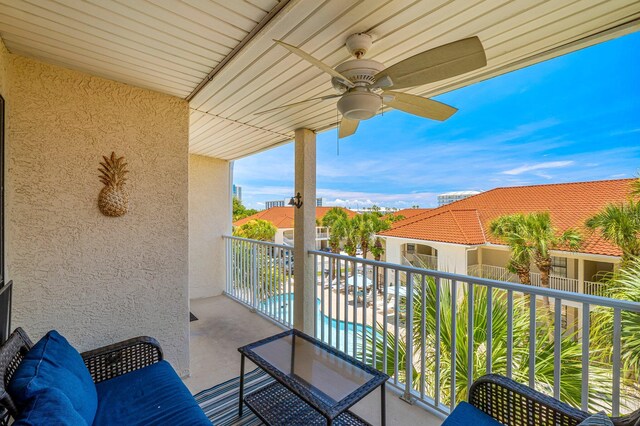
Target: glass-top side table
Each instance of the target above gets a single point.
(314, 381)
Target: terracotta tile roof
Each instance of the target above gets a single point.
(282, 217)
(409, 213)
(467, 221)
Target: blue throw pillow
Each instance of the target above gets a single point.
(49, 407)
(466, 414)
(54, 363)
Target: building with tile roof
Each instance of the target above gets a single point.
(409, 213)
(456, 237)
(283, 219)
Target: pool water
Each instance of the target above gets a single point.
(281, 306)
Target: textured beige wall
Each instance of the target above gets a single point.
(4, 91)
(97, 279)
(495, 257)
(209, 220)
(4, 60)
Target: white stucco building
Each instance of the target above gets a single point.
(456, 238)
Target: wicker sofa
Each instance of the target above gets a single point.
(513, 404)
(131, 372)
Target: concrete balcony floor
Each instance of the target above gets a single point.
(224, 325)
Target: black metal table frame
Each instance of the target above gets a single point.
(379, 378)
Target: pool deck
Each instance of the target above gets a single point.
(224, 325)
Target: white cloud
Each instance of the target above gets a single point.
(366, 199)
(537, 166)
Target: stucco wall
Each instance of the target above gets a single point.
(96, 279)
(209, 220)
(495, 257)
(4, 92)
(4, 59)
(451, 257)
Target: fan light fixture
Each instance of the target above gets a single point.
(359, 104)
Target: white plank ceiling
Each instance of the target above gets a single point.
(173, 46)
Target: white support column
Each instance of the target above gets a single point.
(581, 275)
(305, 230)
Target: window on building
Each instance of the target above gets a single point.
(411, 248)
(559, 266)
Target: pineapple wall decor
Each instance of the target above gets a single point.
(113, 199)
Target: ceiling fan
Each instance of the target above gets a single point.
(364, 85)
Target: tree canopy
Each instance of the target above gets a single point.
(256, 229)
(240, 211)
(531, 237)
(620, 225)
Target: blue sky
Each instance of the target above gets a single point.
(573, 118)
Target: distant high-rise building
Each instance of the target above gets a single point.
(319, 202)
(237, 192)
(450, 197)
(276, 203)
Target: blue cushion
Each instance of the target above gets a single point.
(153, 395)
(49, 407)
(54, 363)
(466, 414)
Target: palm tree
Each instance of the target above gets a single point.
(329, 220)
(509, 229)
(364, 231)
(635, 187)
(620, 225)
(532, 236)
(256, 229)
(625, 285)
(345, 231)
(571, 351)
(380, 224)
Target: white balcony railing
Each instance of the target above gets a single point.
(434, 332)
(322, 233)
(421, 260)
(503, 274)
(260, 274)
(595, 288)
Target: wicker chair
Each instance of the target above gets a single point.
(103, 363)
(514, 404)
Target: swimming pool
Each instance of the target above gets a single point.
(281, 306)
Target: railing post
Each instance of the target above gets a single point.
(227, 263)
(409, 340)
(254, 275)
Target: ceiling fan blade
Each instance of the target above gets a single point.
(295, 104)
(417, 105)
(324, 67)
(347, 127)
(437, 64)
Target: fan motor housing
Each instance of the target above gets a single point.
(359, 104)
(361, 72)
